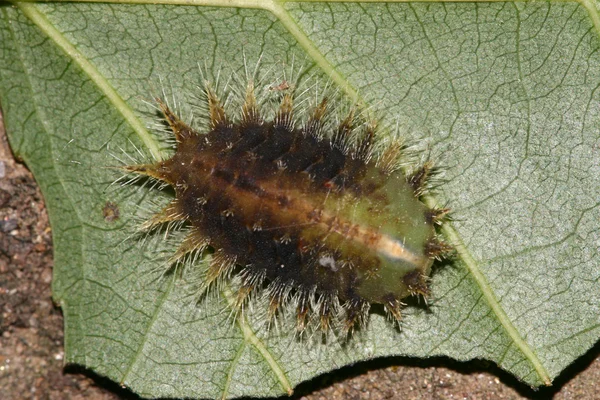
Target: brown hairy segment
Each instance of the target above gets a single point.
(313, 217)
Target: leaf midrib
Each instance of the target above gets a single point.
(39, 19)
(277, 8)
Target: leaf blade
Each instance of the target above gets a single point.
(474, 333)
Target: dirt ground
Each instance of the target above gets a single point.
(31, 332)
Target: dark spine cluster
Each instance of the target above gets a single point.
(277, 200)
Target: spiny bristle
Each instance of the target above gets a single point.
(251, 281)
(342, 135)
(314, 124)
(416, 283)
(218, 117)
(436, 248)
(194, 241)
(274, 303)
(388, 161)
(419, 178)
(243, 293)
(250, 114)
(356, 312)
(284, 118)
(365, 145)
(437, 215)
(181, 130)
(325, 313)
(220, 268)
(277, 293)
(302, 310)
(393, 307)
(150, 170)
(172, 212)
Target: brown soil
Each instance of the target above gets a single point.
(31, 332)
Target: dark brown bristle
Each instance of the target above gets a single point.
(393, 307)
(388, 161)
(325, 312)
(220, 266)
(302, 310)
(416, 283)
(284, 118)
(275, 300)
(193, 242)
(315, 122)
(250, 114)
(418, 179)
(251, 280)
(216, 112)
(242, 295)
(435, 248)
(437, 215)
(364, 148)
(181, 130)
(172, 212)
(355, 314)
(342, 135)
(151, 170)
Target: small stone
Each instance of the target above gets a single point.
(4, 197)
(8, 224)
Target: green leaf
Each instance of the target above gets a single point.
(504, 95)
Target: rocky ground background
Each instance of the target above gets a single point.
(31, 332)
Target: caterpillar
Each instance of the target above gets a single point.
(315, 217)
